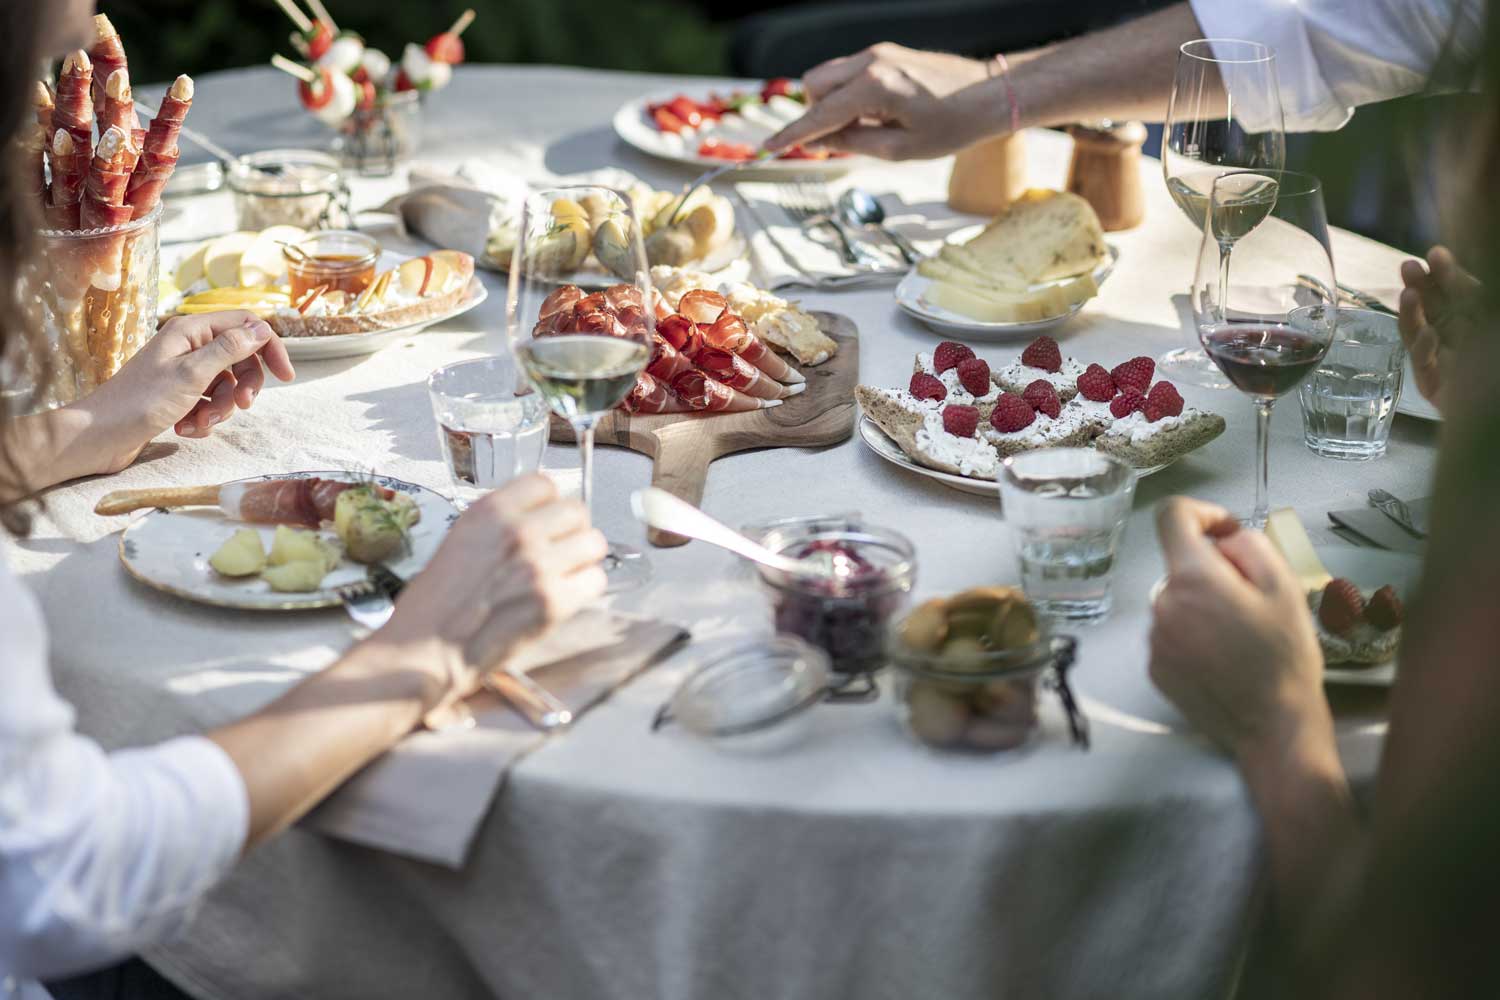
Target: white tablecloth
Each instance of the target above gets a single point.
(621, 864)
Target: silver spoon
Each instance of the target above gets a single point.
(860, 208)
(664, 512)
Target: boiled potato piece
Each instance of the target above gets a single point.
(297, 577)
(299, 545)
(673, 246)
(241, 555)
(373, 529)
(612, 247)
(711, 223)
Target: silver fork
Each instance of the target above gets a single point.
(368, 604)
(811, 205)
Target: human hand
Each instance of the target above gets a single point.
(1435, 317)
(895, 103)
(190, 376)
(1232, 640)
(516, 564)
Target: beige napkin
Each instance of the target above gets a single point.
(427, 797)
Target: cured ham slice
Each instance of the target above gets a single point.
(669, 364)
(617, 297)
(700, 392)
(735, 371)
(117, 110)
(702, 306)
(562, 299)
(307, 502)
(681, 332)
(72, 144)
(159, 150)
(730, 333)
(108, 55)
(652, 396)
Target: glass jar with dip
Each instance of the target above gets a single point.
(289, 187)
(336, 260)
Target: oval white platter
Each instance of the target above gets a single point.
(910, 296)
(353, 345)
(169, 550)
(1413, 403)
(633, 124)
(881, 444)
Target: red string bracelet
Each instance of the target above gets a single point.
(1010, 90)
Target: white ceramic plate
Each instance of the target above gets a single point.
(1413, 403)
(594, 277)
(351, 345)
(634, 125)
(169, 550)
(881, 444)
(912, 289)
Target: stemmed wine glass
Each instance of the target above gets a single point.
(1225, 115)
(583, 350)
(1269, 322)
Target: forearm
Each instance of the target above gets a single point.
(1122, 73)
(302, 746)
(49, 448)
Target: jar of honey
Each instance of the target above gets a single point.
(335, 260)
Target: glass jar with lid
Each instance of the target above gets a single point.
(335, 260)
(289, 187)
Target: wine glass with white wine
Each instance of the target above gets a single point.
(1225, 116)
(583, 348)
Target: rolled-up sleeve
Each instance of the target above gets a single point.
(102, 854)
(1334, 55)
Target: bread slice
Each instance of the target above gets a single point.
(1043, 235)
(455, 290)
(1145, 445)
(906, 421)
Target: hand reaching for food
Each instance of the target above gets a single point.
(1435, 317)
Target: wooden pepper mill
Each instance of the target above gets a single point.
(988, 176)
(1106, 171)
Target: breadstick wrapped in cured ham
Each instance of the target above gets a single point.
(699, 391)
(117, 107)
(35, 146)
(159, 150)
(728, 332)
(108, 55)
(103, 203)
(72, 144)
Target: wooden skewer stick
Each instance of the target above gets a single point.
(298, 18)
(321, 13)
(299, 43)
(302, 73)
(462, 24)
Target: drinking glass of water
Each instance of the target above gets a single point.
(1349, 401)
(492, 426)
(1067, 508)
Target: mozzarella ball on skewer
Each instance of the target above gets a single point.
(344, 55)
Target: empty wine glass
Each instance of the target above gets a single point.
(1225, 115)
(1269, 322)
(582, 350)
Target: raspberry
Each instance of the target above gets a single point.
(1341, 607)
(1384, 610)
(1136, 372)
(1042, 396)
(974, 375)
(1096, 384)
(1127, 402)
(948, 355)
(1012, 413)
(961, 421)
(1163, 401)
(924, 386)
(1042, 353)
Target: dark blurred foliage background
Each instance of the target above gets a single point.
(1374, 171)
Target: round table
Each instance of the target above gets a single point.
(620, 863)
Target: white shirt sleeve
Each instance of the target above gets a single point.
(100, 854)
(1334, 55)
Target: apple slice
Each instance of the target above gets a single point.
(221, 261)
(264, 261)
(190, 271)
(413, 274)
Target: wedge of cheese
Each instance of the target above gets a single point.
(999, 307)
(1286, 532)
(941, 268)
(1043, 235)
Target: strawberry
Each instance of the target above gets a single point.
(1042, 353)
(1012, 413)
(1127, 402)
(1384, 610)
(974, 375)
(1042, 396)
(1341, 607)
(925, 386)
(1096, 384)
(1163, 401)
(961, 421)
(948, 355)
(1136, 372)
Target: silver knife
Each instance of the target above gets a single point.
(1397, 510)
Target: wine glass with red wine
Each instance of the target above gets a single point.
(1269, 321)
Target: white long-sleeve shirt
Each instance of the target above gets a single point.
(1334, 55)
(101, 853)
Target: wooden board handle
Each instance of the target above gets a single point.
(125, 501)
(681, 468)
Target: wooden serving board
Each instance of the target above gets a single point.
(682, 445)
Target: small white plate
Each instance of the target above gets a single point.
(881, 444)
(912, 289)
(1413, 403)
(353, 345)
(633, 124)
(169, 550)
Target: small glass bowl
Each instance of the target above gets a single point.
(289, 187)
(847, 616)
(337, 259)
(989, 704)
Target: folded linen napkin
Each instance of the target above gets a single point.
(427, 797)
(791, 253)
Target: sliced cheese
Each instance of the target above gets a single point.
(1285, 531)
(1044, 235)
(963, 259)
(994, 307)
(941, 270)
